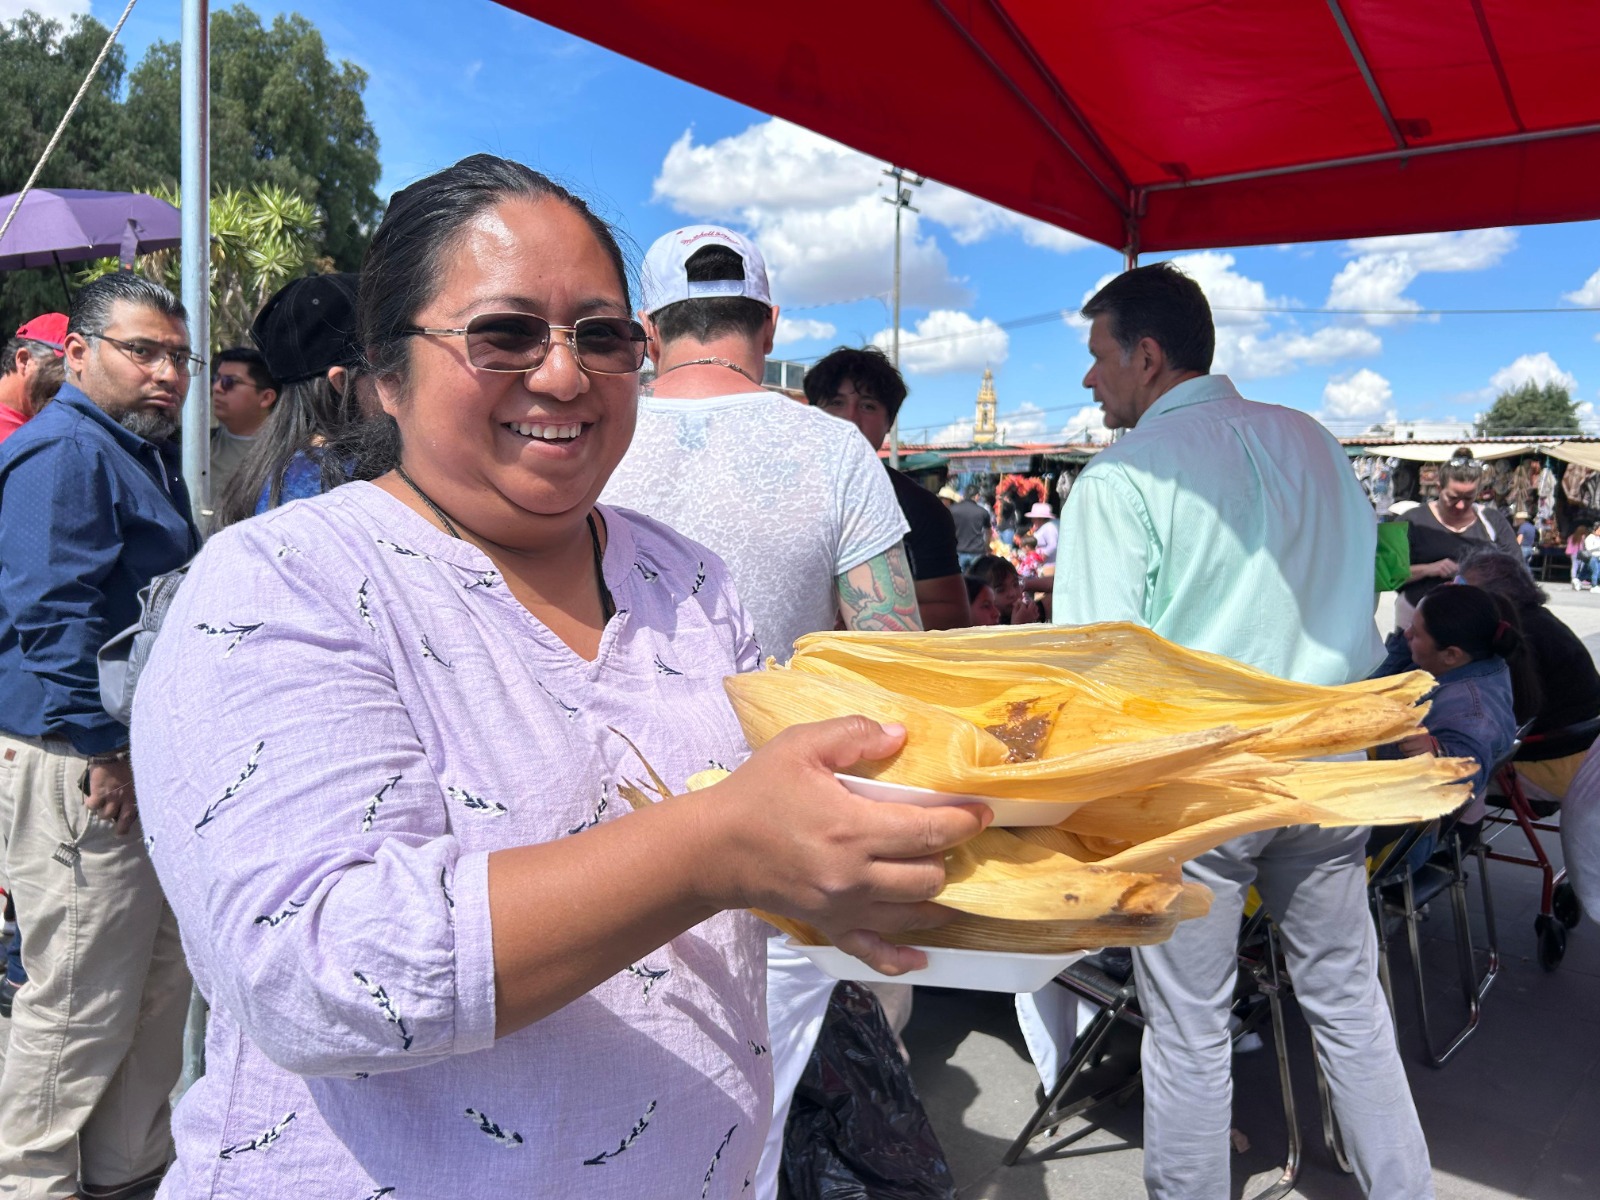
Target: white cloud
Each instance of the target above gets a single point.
(1383, 267)
(1025, 423)
(1588, 294)
(1361, 395)
(970, 220)
(815, 207)
(955, 433)
(1088, 424)
(1537, 368)
(53, 10)
(1587, 419)
(945, 341)
(801, 329)
(1469, 250)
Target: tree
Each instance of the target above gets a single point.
(281, 113)
(42, 64)
(1533, 408)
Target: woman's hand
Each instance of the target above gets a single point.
(784, 835)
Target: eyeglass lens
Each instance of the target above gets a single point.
(517, 342)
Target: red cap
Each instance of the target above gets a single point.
(51, 329)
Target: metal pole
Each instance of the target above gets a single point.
(901, 201)
(195, 119)
(195, 86)
(894, 428)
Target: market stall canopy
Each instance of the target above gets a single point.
(1157, 125)
(1585, 454)
(65, 225)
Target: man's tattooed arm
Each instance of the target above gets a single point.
(879, 595)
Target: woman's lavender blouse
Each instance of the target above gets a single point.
(346, 712)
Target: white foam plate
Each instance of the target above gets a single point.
(974, 970)
(1007, 813)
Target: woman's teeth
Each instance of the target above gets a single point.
(547, 433)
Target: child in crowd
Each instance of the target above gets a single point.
(1026, 555)
(1470, 642)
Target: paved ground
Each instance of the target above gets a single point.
(1513, 1114)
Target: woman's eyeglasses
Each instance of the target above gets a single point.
(515, 343)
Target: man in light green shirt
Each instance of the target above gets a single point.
(1238, 528)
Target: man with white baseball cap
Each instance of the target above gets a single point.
(794, 500)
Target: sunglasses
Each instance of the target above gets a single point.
(516, 343)
(226, 383)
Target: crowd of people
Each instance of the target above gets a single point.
(457, 585)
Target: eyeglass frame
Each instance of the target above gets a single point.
(571, 343)
(228, 382)
(185, 362)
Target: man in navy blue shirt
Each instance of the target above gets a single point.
(92, 506)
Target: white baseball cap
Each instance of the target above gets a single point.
(664, 278)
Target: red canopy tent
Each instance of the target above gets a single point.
(1157, 125)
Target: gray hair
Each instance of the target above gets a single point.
(1494, 570)
(91, 308)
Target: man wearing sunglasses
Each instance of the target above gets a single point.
(243, 392)
(92, 507)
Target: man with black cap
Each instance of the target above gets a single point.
(31, 371)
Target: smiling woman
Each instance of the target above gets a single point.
(386, 736)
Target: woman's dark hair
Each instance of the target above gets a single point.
(1504, 574)
(405, 261)
(996, 571)
(707, 318)
(868, 368)
(1480, 624)
(1462, 468)
(1163, 304)
(310, 414)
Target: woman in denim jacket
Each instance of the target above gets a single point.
(1470, 642)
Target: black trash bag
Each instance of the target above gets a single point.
(857, 1130)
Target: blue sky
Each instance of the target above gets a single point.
(652, 153)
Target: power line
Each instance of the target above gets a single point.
(1060, 314)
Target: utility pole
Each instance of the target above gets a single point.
(901, 201)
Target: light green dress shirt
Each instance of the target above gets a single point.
(1229, 526)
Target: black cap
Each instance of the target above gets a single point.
(308, 326)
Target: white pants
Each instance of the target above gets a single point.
(1313, 881)
(797, 1001)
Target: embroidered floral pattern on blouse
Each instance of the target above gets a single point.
(262, 1141)
(380, 997)
(494, 1131)
(235, 630)
(599, 811)
(649, 974)
(364, 604)
(429, 652)
(705, 1189)
(639, 1127)
(232, 789)
(369, 813)
(663, 669)
(476, 803)
(278, 918)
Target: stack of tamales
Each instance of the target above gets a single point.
(1168, 752)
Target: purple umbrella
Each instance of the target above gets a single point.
(67, 225)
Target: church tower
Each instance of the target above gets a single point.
(983, 430)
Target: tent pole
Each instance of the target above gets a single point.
(196, 193)
(66, 289)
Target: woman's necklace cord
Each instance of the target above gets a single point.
(608, 606)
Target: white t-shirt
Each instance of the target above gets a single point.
(789, 496)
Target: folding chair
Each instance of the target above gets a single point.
(1399, 887)
(1109, 985)
(1559, 909)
